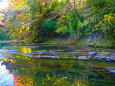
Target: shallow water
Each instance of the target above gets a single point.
(55, 65)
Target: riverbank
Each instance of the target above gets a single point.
(96, 43)
(100, 43)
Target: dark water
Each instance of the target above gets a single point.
(55, 65)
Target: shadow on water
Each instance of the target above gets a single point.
(52, 65)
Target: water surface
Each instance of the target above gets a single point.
(55, 65)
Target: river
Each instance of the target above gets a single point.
(50, 64)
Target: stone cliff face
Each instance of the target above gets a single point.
(94, 37)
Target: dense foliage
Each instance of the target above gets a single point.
(35, 20)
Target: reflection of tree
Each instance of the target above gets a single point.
(51, 72)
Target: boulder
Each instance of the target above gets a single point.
(92, 54)
(103, 53)
(111, 69)
(104, 58)
(82, 58)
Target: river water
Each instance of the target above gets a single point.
(56, 65)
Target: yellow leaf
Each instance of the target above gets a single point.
(48, 76)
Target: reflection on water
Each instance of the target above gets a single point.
(52, 65)
(6, 78)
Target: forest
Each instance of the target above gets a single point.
(90, 22)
